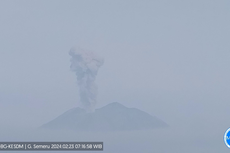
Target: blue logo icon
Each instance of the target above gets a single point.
(227, 138)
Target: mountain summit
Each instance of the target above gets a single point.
(112, 117)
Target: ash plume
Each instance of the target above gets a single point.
(86, 64)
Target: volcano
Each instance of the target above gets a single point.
(112, 117)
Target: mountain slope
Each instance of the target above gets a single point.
(112, 117)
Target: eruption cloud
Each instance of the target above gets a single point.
(86, 64)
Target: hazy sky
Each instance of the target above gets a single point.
(168, 58)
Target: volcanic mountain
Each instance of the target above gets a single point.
(112, 117)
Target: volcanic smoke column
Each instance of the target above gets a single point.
(86, 64)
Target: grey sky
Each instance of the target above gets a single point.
(168, 58)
